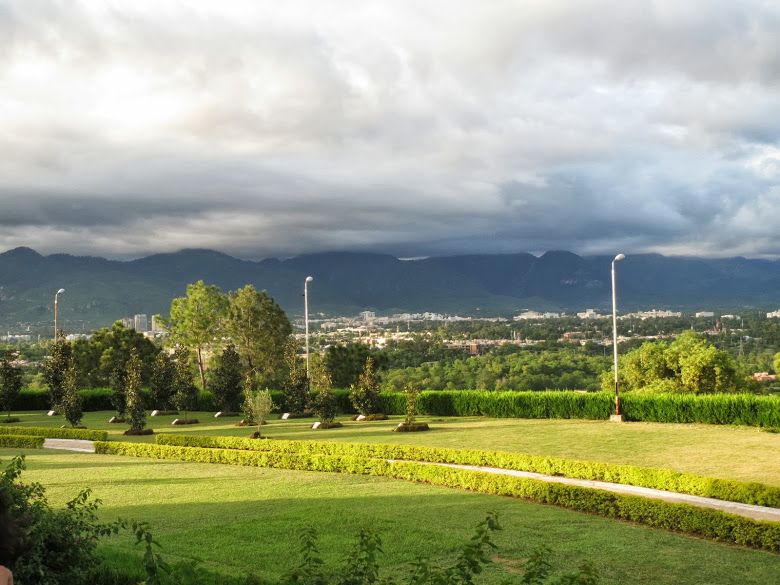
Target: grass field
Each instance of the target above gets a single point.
(239, 519)
(741, 453)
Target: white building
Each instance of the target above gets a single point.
(589, 314)
(773, 314)
(701, 314)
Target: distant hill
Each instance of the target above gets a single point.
(99, 291)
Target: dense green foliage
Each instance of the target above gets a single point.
(680, 517)
(49, 546)
(54, 370)
(688, 364)
(71, 404)
(104, 355)
(296, 386)
(184, 391)
(161, 382)
(521, 370)
(10, 383)
(663, 479)
(55, 433)
(21, 442)
(346, 362)
(135, 401)
(364, 394)
(226, 378)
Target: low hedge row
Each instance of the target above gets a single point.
(662, 479)
(741, 409)
(21, 442)
(55, 433)
(703, 522)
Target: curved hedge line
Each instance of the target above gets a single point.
(55, 433)
(662, 479)
(703, 522)
(740, 409)
(21, 442)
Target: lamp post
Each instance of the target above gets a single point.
(617, 416)
(56, 303)
(306, 318)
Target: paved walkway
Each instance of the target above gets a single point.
(70, 445)
(746, 510)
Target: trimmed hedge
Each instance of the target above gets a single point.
(55, 433)
(739, 409)
(21, 442)
(703, 522)
(662, 479)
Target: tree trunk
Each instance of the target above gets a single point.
(202, 372)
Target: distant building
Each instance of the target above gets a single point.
(729, 317)
(773, 314)
(141, 323)
(652, 314)
(368, 316)
(127, 322)
(528, 315)
(701, 314)
(589, 314)
(157, 326)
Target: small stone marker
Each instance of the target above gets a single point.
(285, 416)
(361, 417)
(316, 425)
(155, 413)
(113, 419)
(51, 413)
(219, 414)
(175, 421)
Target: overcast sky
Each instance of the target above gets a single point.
(269, 128)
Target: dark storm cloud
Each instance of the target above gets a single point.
(262, 128)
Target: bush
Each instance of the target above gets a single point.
(703, 522)
(663, 479)
(55, 433)
(21, 441)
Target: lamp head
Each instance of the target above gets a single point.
(62, 290)
(619, 257)
(309, 278)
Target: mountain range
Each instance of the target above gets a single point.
(99, 291)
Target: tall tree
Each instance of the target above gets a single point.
(226, 378)
(118, 390)
(71, 402)
(324, 401)
(296, 385)
(184, 391)
(54, 371)
(10, 383)
(161, 381)
(365, 394)
(197, 320)
(260, 329)
(134, 399)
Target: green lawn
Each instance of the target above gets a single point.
(241, 519)
(741, 453)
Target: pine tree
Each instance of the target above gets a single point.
(118, 391)
(135, 406)
(296, 386)
(184, 390)
(365, 394)
(325, 401)
(54, 371)
(10, 383)
(161, 381)
(226, 379)
(71, 402)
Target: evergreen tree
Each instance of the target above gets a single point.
(10, 383)
(226, 379)
(161, 381)
(184, 390)
(118, 393)
(54, 371)
(365, 394)
(71, 401)
(135, 405)
(325, 401)
(296, 385)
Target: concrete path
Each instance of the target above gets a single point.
(70, 445)
(746, 510)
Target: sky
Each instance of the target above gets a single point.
(265, 128)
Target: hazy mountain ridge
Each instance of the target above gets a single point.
(99, 291)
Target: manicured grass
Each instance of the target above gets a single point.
(741, 453)
(241, 519)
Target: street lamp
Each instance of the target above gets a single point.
(617, 416)
(58, 293)
(306, 318)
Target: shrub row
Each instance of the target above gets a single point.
(703, 522)
(742, 409)
(662, 479)
(21, 442)
(55, 433)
